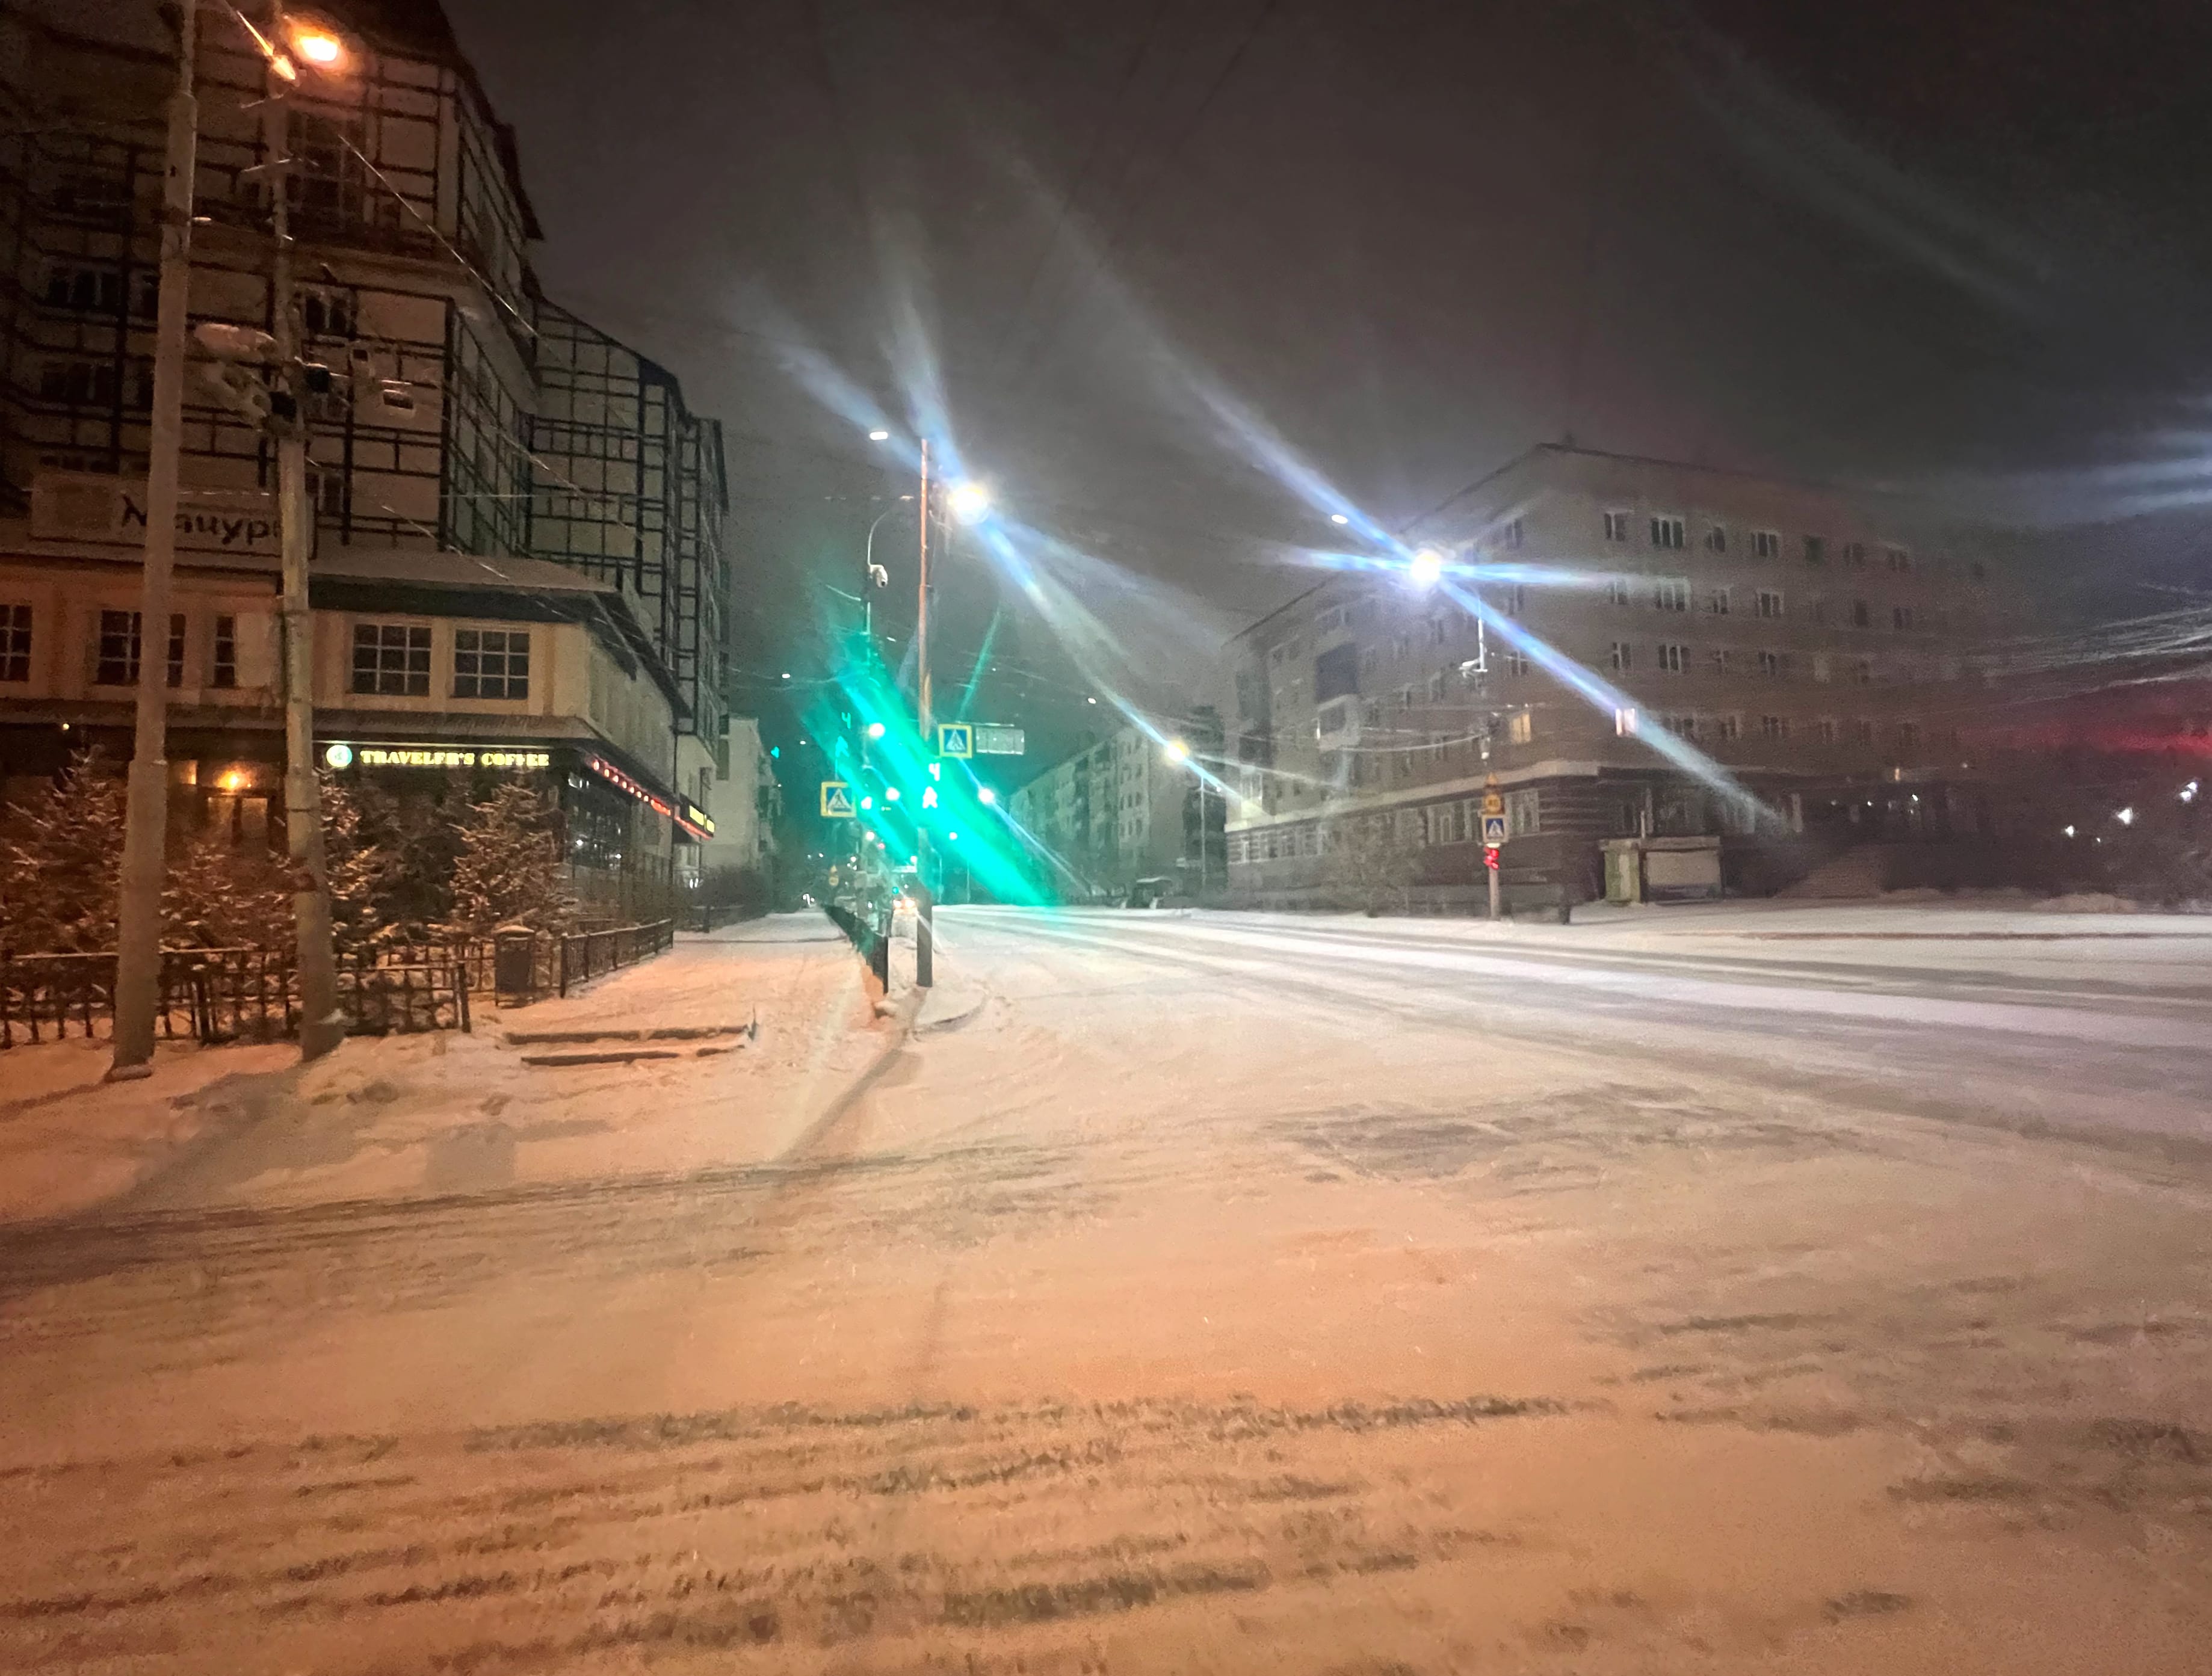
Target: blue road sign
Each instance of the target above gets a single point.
(837, 800)
(954, 738)
(1493, 828)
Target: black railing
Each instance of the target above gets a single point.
(212, 995)
(593, 954)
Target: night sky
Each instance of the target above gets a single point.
(1957, 245)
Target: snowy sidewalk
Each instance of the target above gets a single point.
(401, 1116)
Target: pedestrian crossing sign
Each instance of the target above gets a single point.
(1493, 828)
(954, 738)
(837, 800)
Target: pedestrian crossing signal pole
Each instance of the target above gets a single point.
(924, 907)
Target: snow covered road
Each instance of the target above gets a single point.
(1212, 1293)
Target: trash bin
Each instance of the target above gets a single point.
(515, 963)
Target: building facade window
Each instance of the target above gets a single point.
(1512, 533)
(1616, 526)
(1767, 544)
(15, 642)
(1825, 730)
(1726, 728)
(1516, 663)
(115, 650)
(1770, 603)
(1523, 812)
(1623, 721)
(1666, 531)
(1621, 657)
(392, 659)
(1618, 591)
(1900, 617)
(222, 654)
(1521, 727)
(1896, 559)
(1720, 657)
(1816, 549)
(1674, 657)
(1716, 602)
(1861, 614)
(1855, 554)
(1774, 665)
(1716, 539)
(1774, 727)
(1671, 593)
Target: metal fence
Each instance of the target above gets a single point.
(214, 995)
(593, 954)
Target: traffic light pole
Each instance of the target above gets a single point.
(321, 1028)
(924, 913)
(145, 833)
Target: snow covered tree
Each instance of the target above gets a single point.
(219, 894)
(61, 861)
(355, 817)
(510, 870)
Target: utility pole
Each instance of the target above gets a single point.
(925, 916)
(321, 1029)
(145, 833)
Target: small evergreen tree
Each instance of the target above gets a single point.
(61, 861)
(355, 817)
(510, 869)
(220, 894)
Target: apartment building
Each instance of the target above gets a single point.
(749, 799)
(475, 435)
(1661, 650)
(1118, 810)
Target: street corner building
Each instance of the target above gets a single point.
(1125, 819)
(518, 563)
(1664, 681)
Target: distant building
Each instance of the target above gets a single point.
(749, 800)
(1812, 645)
(519, 521)
(1120, 810)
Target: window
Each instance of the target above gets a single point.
(1900, 617)
(1371, 713)
(1514, 600)
(1666, 531)
(1770, 603)
(1521, 814)
(15, 642)
(1855, 554)
(1516, 663)
(1816, 549)
(491, 663)
(1820, 611)
(1521, 727)
(1401, 645)
(1823, 670)
(1727, 727)
(175, 674)
(1674, 657)
(1861, 614)
(1767, 544)
(1908, 737)
(1510, 535)
(1624, 722)
(1825, 730)
(1683, 726)
(224, 654)
(1716, 602)
(1439, 631)
(1720, 657)
(1616, 526)
(1618, 591)
(1862, 672)
(1896, 559)
(1335, 718)
(1621, 657)
(1862, 730)
(326, 311)
(327, 488)
(1405, 698)
(1774, 727)
(391, 659)
(1775, 664)
(115, 654)
(1671, 593)
(1716, 539)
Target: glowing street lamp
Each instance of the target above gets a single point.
(987, 797)
(1338, 518)
(875, 729)
(1177, 751)
(880, 436)
(314, 43)
(970, 501)
(1427, 568)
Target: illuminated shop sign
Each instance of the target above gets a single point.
(342, 754)
(622, 782)
(697, 821)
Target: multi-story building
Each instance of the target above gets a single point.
(749, 799)
(1120, 810)
(477, 435)
(1662, 650)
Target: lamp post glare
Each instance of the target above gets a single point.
(315, 44)
(875, 729)
(1427, 568)
(970, 501)
(1177, 751)
(880, 436)
(1338, 518)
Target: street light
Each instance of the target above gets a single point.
(880, 436)
(1427, 568)
(1177, 751)
(318, 45)
(970, 501)
(987, 797)
(875, 729)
